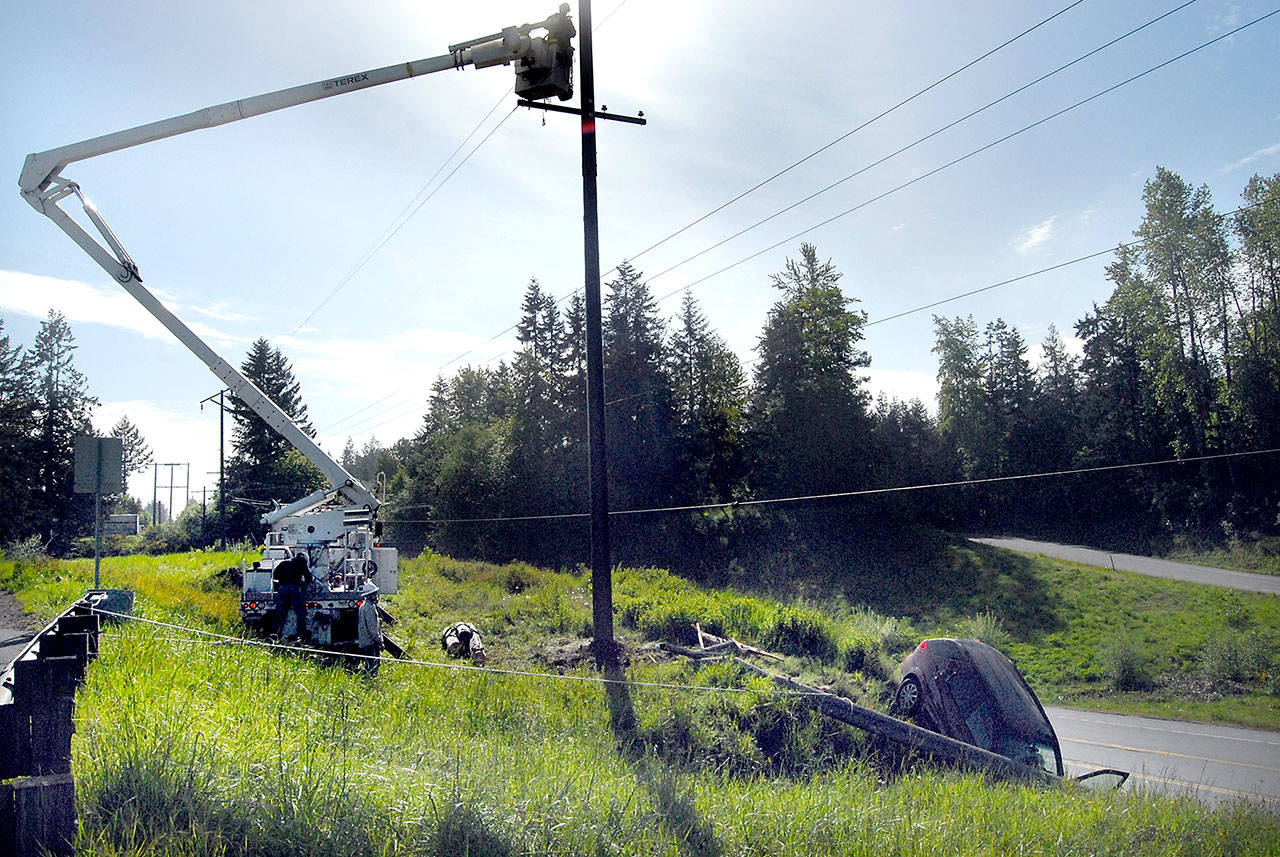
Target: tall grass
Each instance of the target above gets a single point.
(188, 748)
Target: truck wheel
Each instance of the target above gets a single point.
(907, 699)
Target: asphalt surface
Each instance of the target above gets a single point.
(1217, 764)
(1242, 580)
(12, 642)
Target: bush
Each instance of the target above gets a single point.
(25, 550)
(1126, 667)
(1228, 656)
(859, 652)
(805, 633)
(985, 627)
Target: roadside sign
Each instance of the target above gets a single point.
(120, 525)
(99, 465)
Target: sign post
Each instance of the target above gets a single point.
(99, 469)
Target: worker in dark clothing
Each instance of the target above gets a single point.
(291, 578)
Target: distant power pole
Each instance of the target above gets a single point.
(172, 485)
(222, 487)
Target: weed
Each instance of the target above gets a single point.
(986, 627)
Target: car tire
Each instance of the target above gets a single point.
(907, 700)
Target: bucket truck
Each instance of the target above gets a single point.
(335, 529)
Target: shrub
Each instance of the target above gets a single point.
(25, 550)
(805, 633)
(1235, 614)
(1126, 667)
(859, 653)
(986, 627)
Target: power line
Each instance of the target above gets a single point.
(569, 677)
(850, 133)
(840, 495)
(401, 218)
(1049, 269)
(414, 206)
(951, 163)
(353, 414)
(899, 151)
(918, 141)
(971, 154)
(971, 292)
(807, 157)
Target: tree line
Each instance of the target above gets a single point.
(1181, 362)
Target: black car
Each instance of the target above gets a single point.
(967, 690)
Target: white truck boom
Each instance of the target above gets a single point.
(342, 536)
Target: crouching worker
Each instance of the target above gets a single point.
(463, 641)
(291, 578)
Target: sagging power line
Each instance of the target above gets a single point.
(842, 495)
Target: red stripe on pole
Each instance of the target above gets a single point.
(588, 126)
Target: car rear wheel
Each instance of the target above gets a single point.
(907, 700)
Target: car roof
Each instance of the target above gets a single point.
(1018, 704)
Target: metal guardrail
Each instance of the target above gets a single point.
(37, 704)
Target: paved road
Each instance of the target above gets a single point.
(1214, 763)
(1144, 565)
(12, 642)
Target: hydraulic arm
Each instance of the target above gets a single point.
(543, 67)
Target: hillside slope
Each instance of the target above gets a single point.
(192, 745)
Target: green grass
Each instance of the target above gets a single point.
(1256, 553)
(1069, 627)
(1086, 617)
(187, 748)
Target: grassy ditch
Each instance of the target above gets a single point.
(191, 747)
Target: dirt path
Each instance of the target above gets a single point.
(13, 616)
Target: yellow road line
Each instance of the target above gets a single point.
(1168, 753)
(1172, 782)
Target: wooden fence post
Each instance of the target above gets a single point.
(38, 815)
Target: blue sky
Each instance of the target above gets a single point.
(245, 229)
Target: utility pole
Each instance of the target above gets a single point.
(601, 563)
(222, 486)
(172, 485)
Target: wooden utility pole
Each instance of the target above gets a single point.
(601, 563)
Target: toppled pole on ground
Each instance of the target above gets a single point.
(908, 735)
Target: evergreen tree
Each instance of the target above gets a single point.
(808, 406)
(962, 414)
(638, 414)
(264, 468)
(255, 442)
(63, 411)
(709, 397)
(19, 457)
(137, 453)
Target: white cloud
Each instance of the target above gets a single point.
(34, 295)
(219, 311)
(1036, 236)
(1260, 154)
